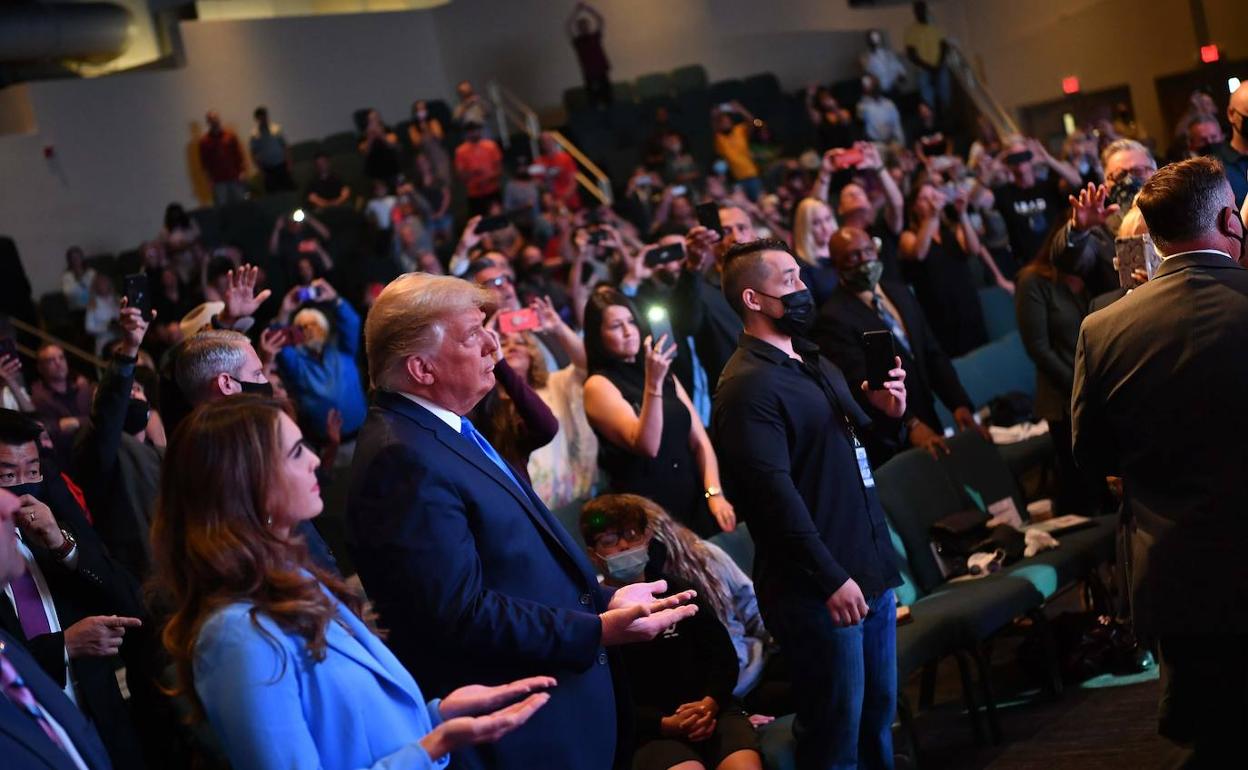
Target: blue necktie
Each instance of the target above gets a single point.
(470, 432)
(892, 323)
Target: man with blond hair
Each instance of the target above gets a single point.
(475, 579)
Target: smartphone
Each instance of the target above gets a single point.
(8, 347)
(663, 255)
(306, 294)
(597, 236)
(1132, 253)
(881, 357)
(136, 293)
(489, 224)
(851, 158)
(516, 321)
(660, 325)
(1018, 158)
(679, 190)
(708, 217)
(298, 216)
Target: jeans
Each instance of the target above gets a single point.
(232, 191)
(844, 682)
(936, 85)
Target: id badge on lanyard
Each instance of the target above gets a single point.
(860, 452)
(864, 466)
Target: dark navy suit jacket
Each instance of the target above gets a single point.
(477, 582)
(22, 743)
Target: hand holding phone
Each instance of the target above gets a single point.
(135, 287)
(708, 217)
(516, 321)
(660, 327)
(881, 357)
(489, 224)
(662, 255)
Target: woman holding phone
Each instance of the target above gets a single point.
(269, 648)
(651, 441)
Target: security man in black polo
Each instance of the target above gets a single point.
(787, 431)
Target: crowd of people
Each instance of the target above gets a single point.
(668, 367)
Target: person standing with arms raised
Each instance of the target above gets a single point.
(476, 580)
(788, 431)
(1144, 408)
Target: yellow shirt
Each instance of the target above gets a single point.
(734, 147)
(925, 39)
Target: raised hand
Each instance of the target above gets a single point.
(240, 296)
(1089, 209)
(133, 328)
(11, 371)
(658, 358)
(700, 245)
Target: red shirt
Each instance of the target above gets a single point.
(480, 165)
(221, 156)
(563, 184)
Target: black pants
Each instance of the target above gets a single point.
(277, 178)
(1204, 697)
(598, 91)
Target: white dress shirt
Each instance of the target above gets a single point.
(441, 412)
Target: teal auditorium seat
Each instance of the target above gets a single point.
(991, 370)
(998, 311)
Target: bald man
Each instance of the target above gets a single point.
(1234, 154)
(861, 303)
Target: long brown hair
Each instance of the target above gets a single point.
(210, 540)
(688, 558)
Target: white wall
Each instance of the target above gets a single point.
(122, 142)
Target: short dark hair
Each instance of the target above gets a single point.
(744, 266)
(261, 112)
(1182, 200)
(16, 429)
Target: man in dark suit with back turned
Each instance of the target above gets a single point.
(475, 579)
(39, 726)
(861, 303)
(1148, 373)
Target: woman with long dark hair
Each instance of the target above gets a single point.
(651, 441)
(268, 647)
(1051, 302)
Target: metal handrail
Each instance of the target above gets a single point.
(508, 106)
(985, 102)
(73, 350)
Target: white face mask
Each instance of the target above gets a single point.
(627, 566)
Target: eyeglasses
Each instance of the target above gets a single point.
(611, 538)
(498, 282)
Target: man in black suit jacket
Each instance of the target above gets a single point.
(1149, 372)
(474, 578)
(863, 303)
(23, 741)
(93, 598)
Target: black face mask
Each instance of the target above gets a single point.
(799, 313)
(33, 488)
(255, 388)
(137, 413)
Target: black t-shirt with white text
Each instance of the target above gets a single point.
(1029, 214)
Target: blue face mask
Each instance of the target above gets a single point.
(627, 566)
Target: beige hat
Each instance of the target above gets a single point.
(200, 318)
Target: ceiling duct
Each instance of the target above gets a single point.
(93, 32)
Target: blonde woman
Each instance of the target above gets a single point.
(813, 226)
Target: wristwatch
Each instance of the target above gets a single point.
(713, 492)
(66, 548)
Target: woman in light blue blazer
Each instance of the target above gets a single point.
(269, 648)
